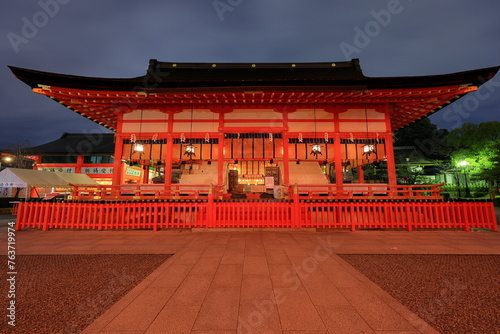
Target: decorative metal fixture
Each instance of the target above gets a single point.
(190, 151)
(190, 148)
(316, 148)
(368, 148)
(139, 148)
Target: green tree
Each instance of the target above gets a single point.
(428, 140)
(476, 149)
(21, 154)
(492, 173)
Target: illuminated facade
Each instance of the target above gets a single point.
(233, 125)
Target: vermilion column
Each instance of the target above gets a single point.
(391, 163)
(220, 164)
(361, 174)
(389, 148)
(79, 163)
(220, 159)
(286, 163)
(338, 162)
(168, 156)
(117, 165)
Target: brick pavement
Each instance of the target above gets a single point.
(257, 282)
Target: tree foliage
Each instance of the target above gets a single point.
(477, 145)
(492, 171)
(21, 153)
(427, 139)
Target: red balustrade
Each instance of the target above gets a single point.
(294, 213)
(327, 191)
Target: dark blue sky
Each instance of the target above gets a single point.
(111, 38)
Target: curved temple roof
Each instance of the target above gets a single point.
(171, 85)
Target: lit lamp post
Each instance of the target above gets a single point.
(464, 164)
(6, 159)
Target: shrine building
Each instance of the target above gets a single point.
(320, 131)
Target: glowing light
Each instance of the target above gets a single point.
(368, 149)
(316, 150)
(190, 151)
(139, 148)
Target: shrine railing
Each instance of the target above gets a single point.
(141, 191)
(350, 214)
(328, 191)
(369, 191)
(352, 207)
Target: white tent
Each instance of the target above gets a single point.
(76, 179)
(27, 178)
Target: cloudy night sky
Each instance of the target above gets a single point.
(116, 39)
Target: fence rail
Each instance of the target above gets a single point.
(329, 191)
(295, 213)
(370, 191)
(141, 191)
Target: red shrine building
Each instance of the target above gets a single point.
(318, 131)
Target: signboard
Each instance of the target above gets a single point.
(5, 192)
(97, 170)
(12, 184)
(58, 169)
(133, 172)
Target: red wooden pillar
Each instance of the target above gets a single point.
(296, 209)
(338, 162)
(145, 175)
(79, 163)
(220, 161)
(169, 155)
(286, 163)
(210, 208)
(389, 149)
(391, 163)
(361, 175)
(117, 164)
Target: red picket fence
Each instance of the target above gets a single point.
(295, 213)
(407, 215)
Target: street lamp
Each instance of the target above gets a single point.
(6, 159)
(464, 164)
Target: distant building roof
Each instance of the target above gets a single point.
(78, 144)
